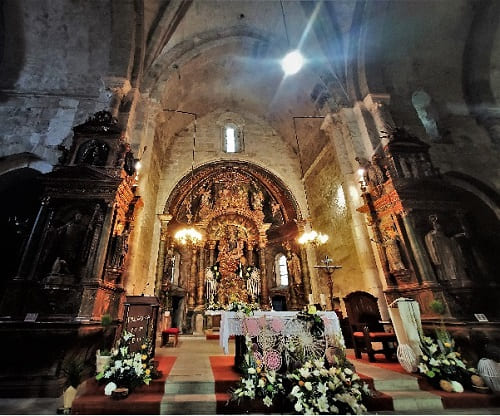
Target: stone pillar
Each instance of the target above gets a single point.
(336, 127)
(419, 253)
(200, 301)
(377, 105)
(264, 291)
(160, 263)
(192, 278)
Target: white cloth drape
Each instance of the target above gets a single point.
(407, 325)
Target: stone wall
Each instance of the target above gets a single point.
(330, 214)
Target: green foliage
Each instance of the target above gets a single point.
(106, 320)
(73, 371)
(437, 306)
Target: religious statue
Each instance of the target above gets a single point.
(69, 240)
(392, 251)
(92, 152)
(211, 285)
(443, 252)
(205, 202)
(119, 249)
(257, 200)
(295, 273)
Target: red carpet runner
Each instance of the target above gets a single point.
(145, 400)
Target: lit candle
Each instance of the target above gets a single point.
(322, 298)
(311, 299)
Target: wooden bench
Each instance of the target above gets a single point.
(166, 333)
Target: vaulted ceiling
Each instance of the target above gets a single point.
(202, 56)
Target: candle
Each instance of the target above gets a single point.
(322, 298)
(311, 299)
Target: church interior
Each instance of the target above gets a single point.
(162, 151)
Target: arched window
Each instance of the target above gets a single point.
(427, 113)
(281, 270)
(232, 138)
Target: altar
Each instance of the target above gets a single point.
(280, 337)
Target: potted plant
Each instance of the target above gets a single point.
(73, 372)
(103, 356)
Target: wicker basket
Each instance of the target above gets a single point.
(490, 372)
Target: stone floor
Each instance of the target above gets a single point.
(190, 386)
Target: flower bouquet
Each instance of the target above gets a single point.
(442, 365)
(317, 389)
(246, 308)
(258, 382)
(126, 368)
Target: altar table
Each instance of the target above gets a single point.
(232, 324)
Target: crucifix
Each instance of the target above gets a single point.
(329, 268)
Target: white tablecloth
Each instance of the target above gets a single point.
(232, 324)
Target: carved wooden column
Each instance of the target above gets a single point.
(251, 246)
(305, 274)
(420, 255)
(201, 280)
(192, 278)
(211, 248)
(160, 263)
(264, 291)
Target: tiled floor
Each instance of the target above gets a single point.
(189, 388)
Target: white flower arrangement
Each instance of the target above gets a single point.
(258, 383)
(335, 390)
(441, 362)
(126, 368)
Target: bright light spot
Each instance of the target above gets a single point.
(230, 140)
(138, 165)
(361, 173)
(292, 62)
(341, 197)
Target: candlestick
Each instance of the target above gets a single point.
(311, 299)
(322, 299)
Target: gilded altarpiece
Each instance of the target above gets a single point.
(243, 215)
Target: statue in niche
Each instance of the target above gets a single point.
(92, 152)
(205, 202)
(275, 209)
(392, 250)
(294, 268)
(119, 249)
(257, 199)
(69, 239)
(443, 252)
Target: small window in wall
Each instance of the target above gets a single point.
(232, 141)
(281, 270)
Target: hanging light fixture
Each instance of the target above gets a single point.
(293, 60)
(313, 238)
(189, 235)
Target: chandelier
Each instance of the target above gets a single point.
(189, 235)
(313, 238)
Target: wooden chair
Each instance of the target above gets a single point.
(364, 319)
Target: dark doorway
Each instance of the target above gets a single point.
(279, 303)
(20, 193)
